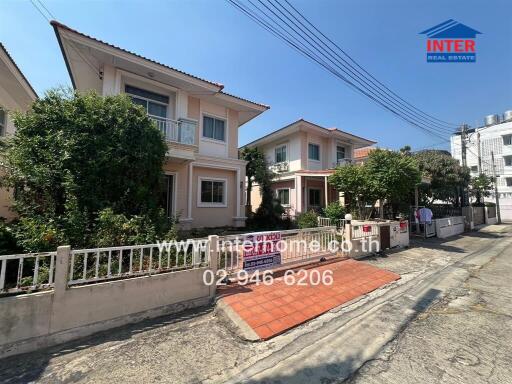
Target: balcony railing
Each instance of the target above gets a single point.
(342, 162)
(283, 166)
(180, 131)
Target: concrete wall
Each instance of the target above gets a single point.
(450, 226)
(32, 321)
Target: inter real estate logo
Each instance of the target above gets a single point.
(451, 42)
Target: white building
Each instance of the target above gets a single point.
(494, 137)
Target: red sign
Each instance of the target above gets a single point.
(367, 228)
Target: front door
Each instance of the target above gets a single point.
(168, 195)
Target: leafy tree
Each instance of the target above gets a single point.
(75, 155)
(480, 187)
(269, 214)
(447, 177)
(255, 169)
(387, 175)
(334, 211)
(308, 219)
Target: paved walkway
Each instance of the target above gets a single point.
(273, 309)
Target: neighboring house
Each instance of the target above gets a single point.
(494, 137)
(361, 154)
(303, 155)
(204, 177)
(16, 94)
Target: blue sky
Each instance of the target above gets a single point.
(211, 39)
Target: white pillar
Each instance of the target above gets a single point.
(238, 202)
(326, 192)
(306, 197)
(190, 174)
(298, 194)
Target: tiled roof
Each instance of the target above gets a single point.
(363, 152)
(18, 68)
(241, 98)
(56, 24)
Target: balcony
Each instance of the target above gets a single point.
(181, 131)
(279, 167)
(342, 163)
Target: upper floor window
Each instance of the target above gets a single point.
(280, 154)
(214, 128)
(508, 160)
(474, 168)
(507, 140)
(509, 181)
(283, 195)
(154, 103)
(340, 152)
(3, 121)
(314, 151)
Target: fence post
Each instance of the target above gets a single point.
(62, 270)
(213, 248)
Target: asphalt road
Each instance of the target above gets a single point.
(447, 320)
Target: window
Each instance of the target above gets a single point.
(283, 195)
(340, 153)
(213, 128)
(2, 122)
(168, 195)
(508, 161)
(474, 168)
(314, 152)
(314, 197)
(154, 103)
(213, 192)
(280, 154)
(507, 140)
(509, 181)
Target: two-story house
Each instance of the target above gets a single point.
(203, 176)
(16, 94)
(303, 155)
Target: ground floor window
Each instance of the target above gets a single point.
(314, 197)
(168, 195)
(283, 195)
(212, 191)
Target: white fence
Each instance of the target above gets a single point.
(294, 248)
(26, 272)
(93, 265)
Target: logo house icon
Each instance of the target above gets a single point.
(451, 42)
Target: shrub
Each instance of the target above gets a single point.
(308, 220)
(334, 211)
(8, 244)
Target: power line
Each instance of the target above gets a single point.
(362, 76)
(362, 68)
(279, 31)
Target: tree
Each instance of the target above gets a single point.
(75, 155)
(480, 187)
(387, 175)
(269, 214)
(255, 169)
(447, 177)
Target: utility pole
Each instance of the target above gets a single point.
(496, 188)
(463, 139)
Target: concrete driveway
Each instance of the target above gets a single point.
(448, 319)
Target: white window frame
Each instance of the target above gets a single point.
(289, 196)
(285, 152)
(147, 100)
(202, 204)
(319, 152)
(344, 152)
(226, 129)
